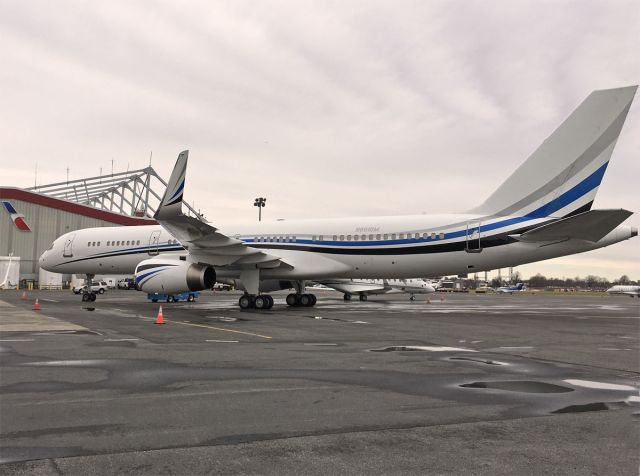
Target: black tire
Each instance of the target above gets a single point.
(76, 292)
(314, 299)
(305, 300)
(85, 297)
(101, 290)
(347, 297)
(270, 303)
(292, 300)
(246, 301)
(260, 302)
(191, 298)
(363, 297)
(154, 300)
(171, 299)
(92, 297)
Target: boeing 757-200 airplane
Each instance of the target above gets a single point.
(543, 210)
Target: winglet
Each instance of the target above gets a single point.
(171, 203)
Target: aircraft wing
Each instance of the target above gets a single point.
(204, 242)
(353, 286)
(592, 225)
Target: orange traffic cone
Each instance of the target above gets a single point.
(36, 306)
(24, 296)
(160, 318)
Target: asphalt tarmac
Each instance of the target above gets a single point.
(486, 384)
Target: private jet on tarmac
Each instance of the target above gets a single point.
(629, 290)
(543, 210)
(511, 289)
(366, 287)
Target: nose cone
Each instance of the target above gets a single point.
(42, 259)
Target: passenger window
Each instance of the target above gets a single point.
(378, 236)
(138, 242)
(386, 236)
(294, 239)
(313, 238)
(433, 236)
(355, 237)
(393, 236)
(321, 237)
(89, 243)
(402, 236)
(98, 243)
(108, 243)
(370, 237)
(363, 237)
(128, 242)
(335, 237)
(341, 237)
(442, 236)
(348, 237)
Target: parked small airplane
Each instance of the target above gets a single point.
(366, 287)
(629, 290)
(542, 211)
(511, 289)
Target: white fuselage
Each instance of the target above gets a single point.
(370, 247)
(629, 290)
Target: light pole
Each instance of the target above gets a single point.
(260, 202)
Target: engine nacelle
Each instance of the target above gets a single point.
(173, 276)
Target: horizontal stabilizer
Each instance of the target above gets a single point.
(591, 226)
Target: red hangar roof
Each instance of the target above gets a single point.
(72, 207)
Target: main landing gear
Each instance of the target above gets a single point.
(250, 301)
(87, 294)
(301, 300)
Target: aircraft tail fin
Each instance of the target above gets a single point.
(562, 176)
(171, 203)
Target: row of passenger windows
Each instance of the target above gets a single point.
(115, 243)
(371, 237)
(126, 243)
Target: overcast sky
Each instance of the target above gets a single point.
(326, 108)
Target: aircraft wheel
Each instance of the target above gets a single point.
(306, 300)
(92, 296)
(261, 302)
(245, 301)
(347, 297)
(412, 298)
(293, 300)
(314, 299)
(85, 297)
(363, 297)
(270, 301)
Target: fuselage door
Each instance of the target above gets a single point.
(67, 252)
(473, 243)
(154, 240)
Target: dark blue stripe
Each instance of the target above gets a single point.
(142, 277)
(570, 196)
(9, 207)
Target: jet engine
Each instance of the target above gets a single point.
(172, 276)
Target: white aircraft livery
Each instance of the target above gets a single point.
(629, 290)
(543, 210)
(366, 287)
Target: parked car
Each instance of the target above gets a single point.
(97, 287)
(127, 283)
(222, 287)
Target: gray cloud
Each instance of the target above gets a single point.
(327, 108)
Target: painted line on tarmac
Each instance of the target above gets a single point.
(118, 340)
(17, 340)
(319, 343)
(223, 341)
(220, 329)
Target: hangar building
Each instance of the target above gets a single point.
(32, 218)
